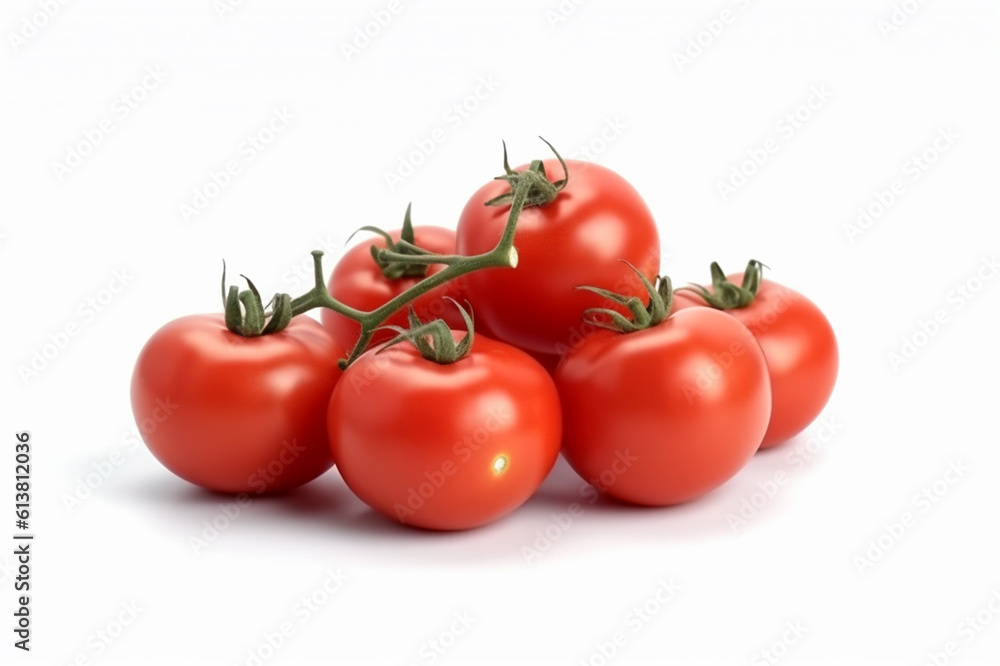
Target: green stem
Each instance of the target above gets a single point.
(423, 259)
(410, 247)
(504, 255)
(319, 296)
(247, 316)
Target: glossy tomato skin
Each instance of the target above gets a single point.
(801, 352)
(547, 361)
(445, 447)
(234, 414)
(667, 414)
(577, 239)
(685, 299)
(358, 282)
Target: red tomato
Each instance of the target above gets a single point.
(577, 239)
(547, 361)
(665, 414)
(685, 299)
(235, 414)
(801, 352)
(445, 447)
(358, 281)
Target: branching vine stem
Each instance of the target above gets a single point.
(504, 255)
(246, 315)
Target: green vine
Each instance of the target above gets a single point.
(246, 315)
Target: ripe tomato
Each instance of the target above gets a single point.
(358, 281)
(667, 413)
(547, 361)
(800, 348)
(235, 414)
(685, 299)
(577, 239)
(445, 446)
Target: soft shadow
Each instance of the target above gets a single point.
(702, 517)
(324, 509)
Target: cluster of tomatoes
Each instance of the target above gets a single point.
(654, 397)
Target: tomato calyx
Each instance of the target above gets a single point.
(644, 316)
(541, 190)
(433, 339)
(247, 315)
(726, 295)
(403, 258)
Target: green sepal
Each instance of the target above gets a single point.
(396, 269)
(726, 295)
(643, 316)
(541, 191)
(433, 340)
(281, 314)
(247, 316)
(253, 314)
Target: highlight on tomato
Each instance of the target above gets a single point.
(247, 410)
(796, 337)
(444, 431)
(662, 407)
(572, 231)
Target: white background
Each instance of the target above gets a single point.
(676, 131)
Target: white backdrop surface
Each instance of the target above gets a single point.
(871, 134)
